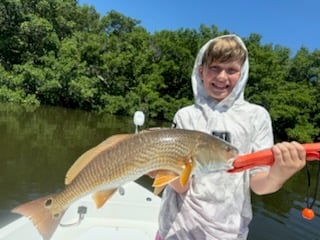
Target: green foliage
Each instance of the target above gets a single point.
(55, 52)
(114, 104)
(18, 97)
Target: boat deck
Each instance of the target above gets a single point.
(131, 213)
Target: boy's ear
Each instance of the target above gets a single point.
(200, 70)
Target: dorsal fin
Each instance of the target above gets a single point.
(89, 155)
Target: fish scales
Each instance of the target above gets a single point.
(137, 155)
(163, 151)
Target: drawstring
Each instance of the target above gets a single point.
(316, 187)
(308, 213)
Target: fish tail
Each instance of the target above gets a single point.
(41, 214)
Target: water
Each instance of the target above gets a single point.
(38, 147)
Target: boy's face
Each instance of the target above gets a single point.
(220, 78)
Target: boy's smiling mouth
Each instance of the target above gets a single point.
(220, 87)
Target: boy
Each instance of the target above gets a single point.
(218, 205)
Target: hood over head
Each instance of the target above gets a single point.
(201, 97)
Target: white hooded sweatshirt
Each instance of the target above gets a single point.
(217, 205)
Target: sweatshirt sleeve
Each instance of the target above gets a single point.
(263, 132)
(177, 123)
(262, 137)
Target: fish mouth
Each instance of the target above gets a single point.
(229, 163)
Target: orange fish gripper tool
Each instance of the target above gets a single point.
(265, 158)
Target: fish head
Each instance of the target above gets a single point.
(214, 154)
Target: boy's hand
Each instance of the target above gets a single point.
(289, 158)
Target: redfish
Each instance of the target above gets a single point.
(171, 153)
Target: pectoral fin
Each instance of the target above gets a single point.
(164, 177)
(158, 190)
(101, 197)
(185, 175)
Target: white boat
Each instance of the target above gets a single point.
(131, 213)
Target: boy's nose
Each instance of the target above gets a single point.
(222, 74)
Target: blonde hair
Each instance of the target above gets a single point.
(224, 49)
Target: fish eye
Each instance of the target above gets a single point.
(48, 202)
(228, 148)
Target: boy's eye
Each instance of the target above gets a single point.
(218, 69)
(231, 71)
(215, 68)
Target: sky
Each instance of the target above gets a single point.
(289, 23)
